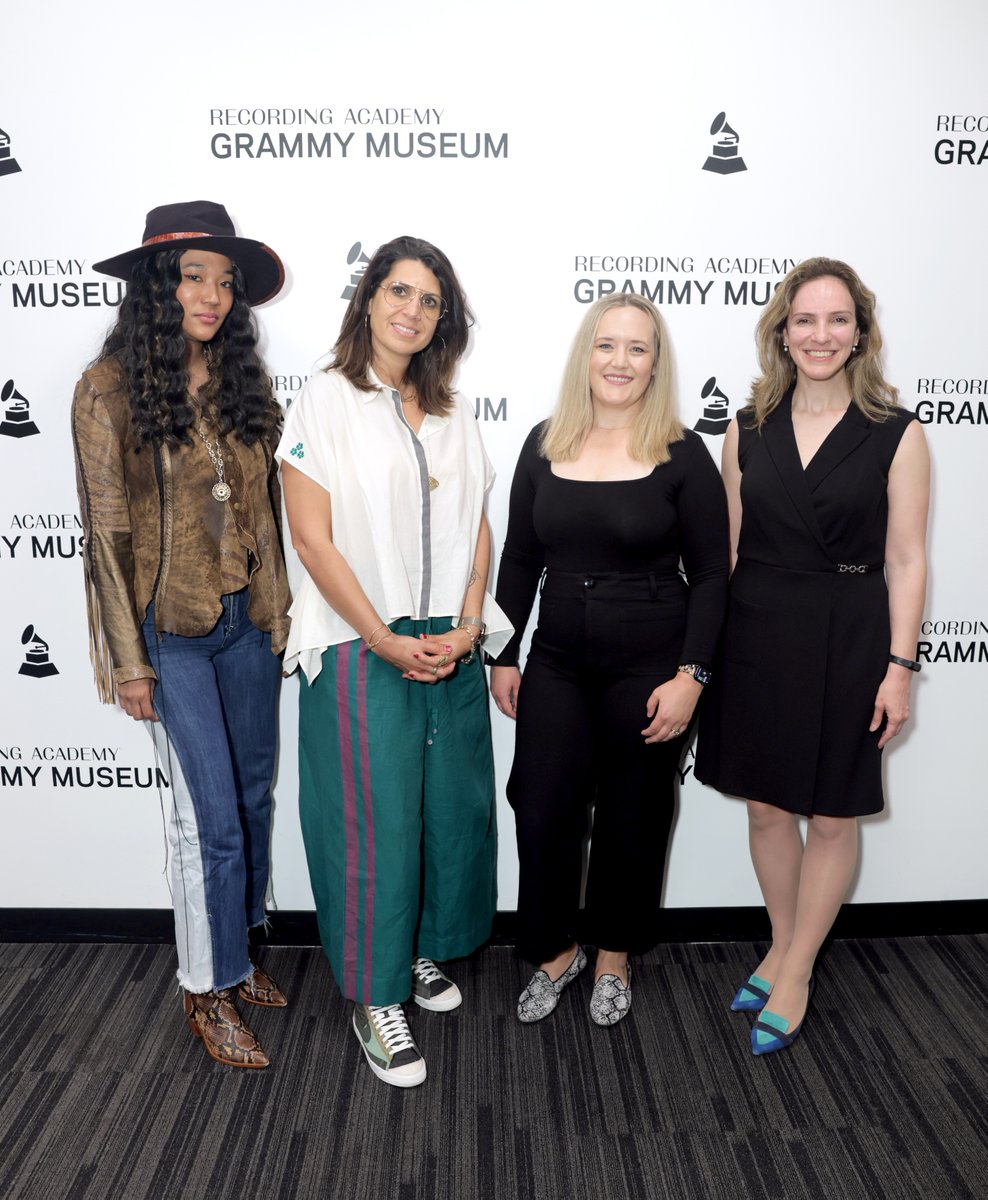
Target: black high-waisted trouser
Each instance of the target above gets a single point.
(603, 643)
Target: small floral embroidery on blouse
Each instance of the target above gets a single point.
(297, 451)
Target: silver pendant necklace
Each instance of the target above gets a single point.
(221, 489)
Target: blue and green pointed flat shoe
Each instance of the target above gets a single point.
(752, 995)
(771, 1032)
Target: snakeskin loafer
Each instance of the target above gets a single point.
(542, 994)
(611, 999)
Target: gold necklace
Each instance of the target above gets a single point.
(221, 489)
(433, 481)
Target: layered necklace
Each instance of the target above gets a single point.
(221, 489)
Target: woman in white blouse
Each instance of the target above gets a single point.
(385, 478)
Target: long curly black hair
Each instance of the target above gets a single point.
(148, 340)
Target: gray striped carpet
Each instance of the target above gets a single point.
(106, 1094)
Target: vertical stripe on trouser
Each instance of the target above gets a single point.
(193, 938)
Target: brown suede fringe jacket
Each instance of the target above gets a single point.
(145, 539)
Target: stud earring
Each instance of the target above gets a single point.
(785, 347)
(854, 347)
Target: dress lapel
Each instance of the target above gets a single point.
(843, 439)
(780, 442)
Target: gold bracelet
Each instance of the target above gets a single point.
(383, 638)
(467, 658)
(369, 638)
(466, 624)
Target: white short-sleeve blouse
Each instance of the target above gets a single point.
(411, 547)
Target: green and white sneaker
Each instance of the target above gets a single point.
(388, 1045)
(431, 989)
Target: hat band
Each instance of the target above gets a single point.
(172, 237)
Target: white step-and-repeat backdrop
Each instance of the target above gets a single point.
(556, 152)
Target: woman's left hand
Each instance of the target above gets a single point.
(671, 708)
(439, 654)
(892, 703)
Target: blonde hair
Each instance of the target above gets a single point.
(870, 391)
(656, 425)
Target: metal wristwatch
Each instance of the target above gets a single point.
(700, 674)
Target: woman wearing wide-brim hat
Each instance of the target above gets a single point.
(175, 426)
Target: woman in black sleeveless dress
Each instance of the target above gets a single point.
(828, 486)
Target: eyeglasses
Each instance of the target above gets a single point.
(398, 294)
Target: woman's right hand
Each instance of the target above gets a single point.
(135, 699)
(505, 686)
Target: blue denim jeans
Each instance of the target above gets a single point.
(216, 696)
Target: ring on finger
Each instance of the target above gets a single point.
(442, 661)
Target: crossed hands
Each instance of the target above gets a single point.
(428, 658)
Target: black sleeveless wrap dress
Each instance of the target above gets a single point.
(807, 638)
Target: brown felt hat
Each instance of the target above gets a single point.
(203, 224)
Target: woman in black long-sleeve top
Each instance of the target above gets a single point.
(609, 495)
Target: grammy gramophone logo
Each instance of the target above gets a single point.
(716, 417)
(724, 158)
(8, 164)
(36, 662)
(358, 260)
(16, 422)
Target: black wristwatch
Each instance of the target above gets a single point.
(700, 674)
